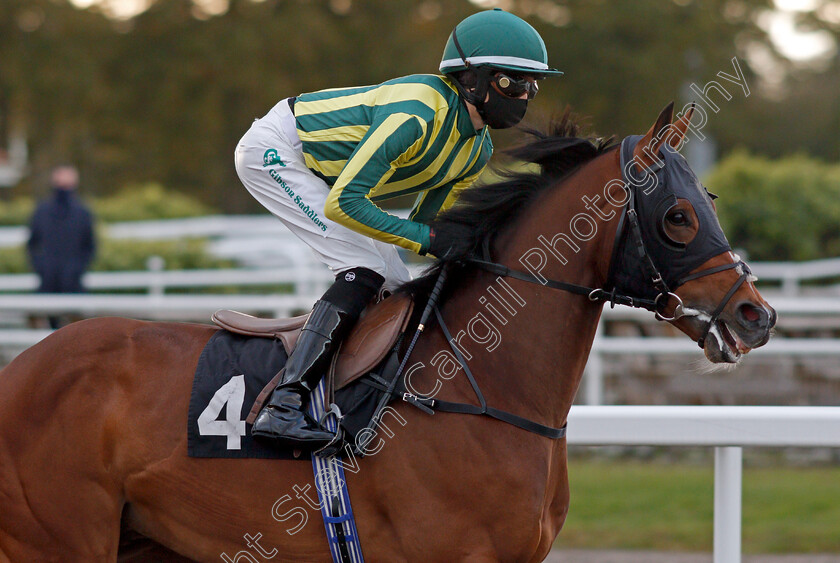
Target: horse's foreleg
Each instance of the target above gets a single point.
(52, 523)
(58, 500)
(52, 510)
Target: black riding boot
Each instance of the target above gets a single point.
(284, 417)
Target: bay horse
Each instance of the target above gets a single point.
(93, 439)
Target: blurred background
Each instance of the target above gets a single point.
(149, 97)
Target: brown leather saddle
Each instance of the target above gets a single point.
(368, 343)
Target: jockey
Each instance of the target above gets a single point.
(320, 162)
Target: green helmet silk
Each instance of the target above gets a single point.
(497, 39)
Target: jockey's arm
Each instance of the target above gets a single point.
(386, 147)
(435, 201)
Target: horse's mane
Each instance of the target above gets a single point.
(482, 211)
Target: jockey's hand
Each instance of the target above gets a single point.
(443, 239)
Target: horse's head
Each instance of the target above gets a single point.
(669, 253)
(670, 248)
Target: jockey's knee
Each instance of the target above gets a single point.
(354, 288)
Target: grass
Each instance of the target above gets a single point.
(636, 505)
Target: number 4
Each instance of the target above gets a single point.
(231, 394)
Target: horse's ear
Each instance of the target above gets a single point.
(653, 139)
(677, 130)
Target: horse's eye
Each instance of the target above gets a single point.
(678, 218)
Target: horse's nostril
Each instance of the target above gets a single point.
(752, 315)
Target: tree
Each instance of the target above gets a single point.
(165, 96)
(787, 209)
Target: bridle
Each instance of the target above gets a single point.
(628, 227)
(629, 231)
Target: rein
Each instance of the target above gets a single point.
(628, 226)
(594, 294)
(613, 298)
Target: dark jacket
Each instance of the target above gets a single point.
(61, 243)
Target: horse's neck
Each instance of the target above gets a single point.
(529, 343)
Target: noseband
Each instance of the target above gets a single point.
(628, 226)
(745, 273)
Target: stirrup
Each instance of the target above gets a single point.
(333, 447)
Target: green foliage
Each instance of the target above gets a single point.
(129, 255)
(147, 201)
(166, 96)
(141, 202)
(13, 260)
(787, 209)
(16, 211)
(182, 254)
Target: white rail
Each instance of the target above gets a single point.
(811, 309)
(158, 281)
(727, 429)
(681, 346)
(153, 306)
(309, 283)
(157, 305)
(259, 239)
(792, 274)
(209, 226)
(309, 278)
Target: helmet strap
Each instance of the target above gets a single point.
(482, 74)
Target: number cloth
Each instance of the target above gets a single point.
(231, 372)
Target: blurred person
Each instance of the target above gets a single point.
(321, 162)
(61, 242)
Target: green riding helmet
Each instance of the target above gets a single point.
(497, 39)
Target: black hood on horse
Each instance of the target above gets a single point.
(653, 192)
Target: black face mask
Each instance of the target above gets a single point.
(62, 195)
(500, 111)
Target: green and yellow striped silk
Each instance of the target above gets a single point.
(410, 135)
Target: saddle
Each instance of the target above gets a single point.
(370, 340)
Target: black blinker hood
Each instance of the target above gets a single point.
(652, 193)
